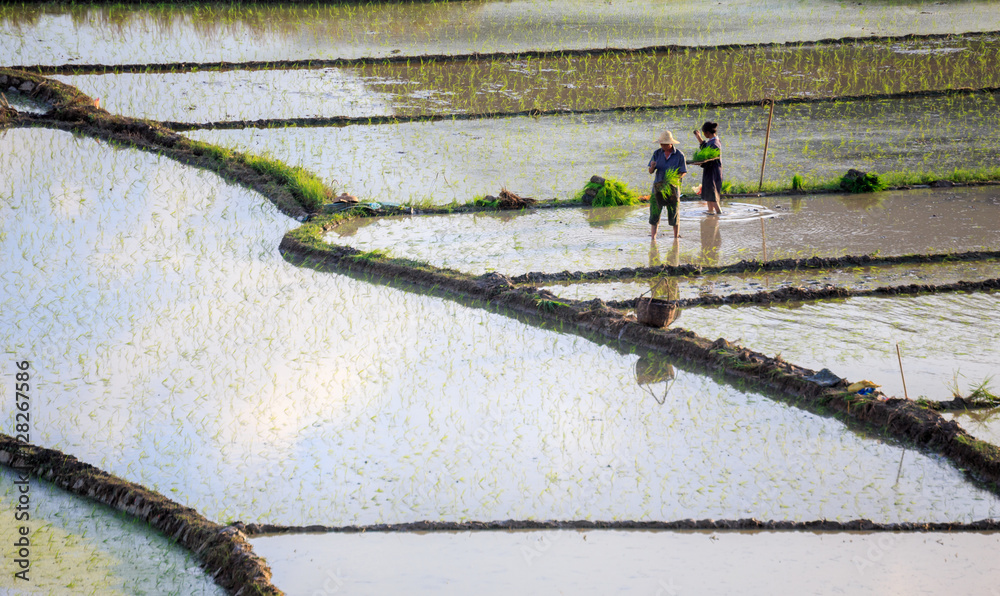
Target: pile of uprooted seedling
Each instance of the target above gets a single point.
(506, 200)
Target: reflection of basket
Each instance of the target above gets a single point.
(655, 312)
(650, 370)
(654, 370)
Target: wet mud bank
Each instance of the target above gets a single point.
(631, 273)
(901, 419)
(223, 551)
(75, 69)
(74, 112)
(795, 294)
(715, 525)
(266, 123)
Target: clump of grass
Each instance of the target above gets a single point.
(213, 151)
(306, 187)
(610, 194)
(863, 182)
(482, 202)
(377, 254)
(706, 153)
(310, 234)
(797, 182)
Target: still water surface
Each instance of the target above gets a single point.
(620, 562)
(173, 346)
(120, 34)
(554, 156)
(80, 547)
(589, 82)
(583, 239)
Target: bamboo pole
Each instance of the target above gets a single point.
(763, 238)
(767, 138)
(900, 358)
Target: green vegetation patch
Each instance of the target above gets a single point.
(305, 186)
(706, 153)
(610, 194)
(858, 182)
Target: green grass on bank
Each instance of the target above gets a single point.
(307, 189)
(897, 179)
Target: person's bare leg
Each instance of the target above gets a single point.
(653, 232)
(677, 232)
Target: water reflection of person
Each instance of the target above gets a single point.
(711, 239)
(666, 287)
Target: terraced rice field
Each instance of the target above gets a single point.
(172, 344)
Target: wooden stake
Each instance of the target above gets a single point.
(767, 138)
(763, 238)
(900, 358)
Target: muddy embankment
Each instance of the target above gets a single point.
(632, 273)
(223, 551)
(401, 119)
(75, 112)
(170, 67)
(901, 419)
(830, 292)
(740, 525)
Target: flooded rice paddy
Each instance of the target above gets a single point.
(172, 344)
(554, 156)
(79, 547)
(635, 562)
(944, 339)
(121, 34)
(164, 326)
(554, 240)
(856, 278)
(566, 82)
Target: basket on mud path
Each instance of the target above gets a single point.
(656, 312)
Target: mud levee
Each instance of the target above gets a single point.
(266, 123)
(168, 67)
(628, 273)
(715, 525)
(902, 419)
(831, 292)
(75, 112)
(222, 550)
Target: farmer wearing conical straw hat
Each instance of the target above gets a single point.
(666, 182)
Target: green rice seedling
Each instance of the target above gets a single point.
(797, 182)
(705, 154)
(983, 393)
(611, 194)
(868, 182)
(672, 178)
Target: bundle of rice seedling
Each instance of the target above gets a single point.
(609, 193)
(855, 181)
(672, 177)
(705, 154)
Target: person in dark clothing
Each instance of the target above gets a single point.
(711, 177)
